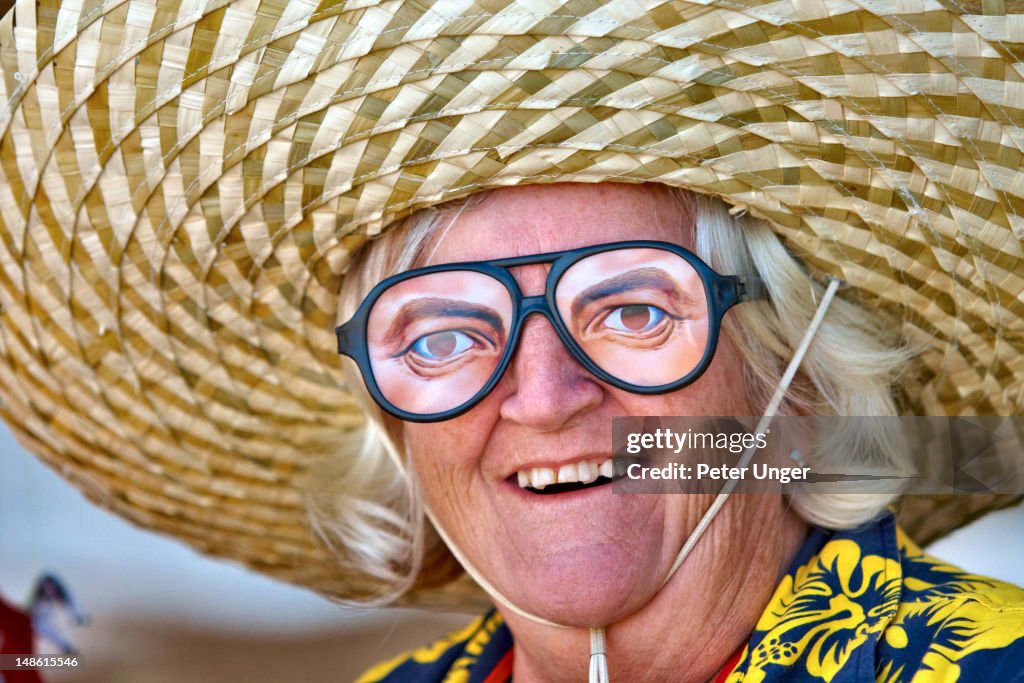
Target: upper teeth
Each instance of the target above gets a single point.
(577, 472)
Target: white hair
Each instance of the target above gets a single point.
(365, 504)
(850, 368)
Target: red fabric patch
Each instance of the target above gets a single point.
(16, 639)
(502, 671)
(730, 665)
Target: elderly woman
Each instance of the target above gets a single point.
(673, 188)
(490, 408)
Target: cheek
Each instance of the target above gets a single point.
(445, 456)
(720, 391)
(726, 382)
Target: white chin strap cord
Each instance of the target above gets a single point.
(598, 655)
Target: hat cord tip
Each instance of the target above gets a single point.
(598, 658)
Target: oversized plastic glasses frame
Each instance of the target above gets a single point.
(642, 316)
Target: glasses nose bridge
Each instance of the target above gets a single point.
(536, 304)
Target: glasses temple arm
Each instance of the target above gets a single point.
(750, 288)
(342, 333)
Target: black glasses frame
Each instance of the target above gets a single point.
(723, 292)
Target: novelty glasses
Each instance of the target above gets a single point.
(641, 316)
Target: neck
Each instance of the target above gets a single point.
(693, 625)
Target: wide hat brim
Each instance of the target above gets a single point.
(183, 187)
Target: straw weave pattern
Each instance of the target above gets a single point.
(182, 185)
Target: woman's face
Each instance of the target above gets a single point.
(583, 557)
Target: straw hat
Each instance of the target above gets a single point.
(182, 186)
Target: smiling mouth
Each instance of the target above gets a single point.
(572, 477)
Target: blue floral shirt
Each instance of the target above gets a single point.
(857, 606)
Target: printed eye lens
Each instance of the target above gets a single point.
(434, 340)
(442, 345)
(640, 314)
(634, 318)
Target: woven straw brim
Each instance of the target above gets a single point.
(182, 186)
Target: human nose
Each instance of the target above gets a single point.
(547, 387)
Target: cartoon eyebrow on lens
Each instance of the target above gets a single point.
(641, 278)
(443, 308)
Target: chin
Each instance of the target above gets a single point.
(586, 588)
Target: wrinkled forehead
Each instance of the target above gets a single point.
(537, 219)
